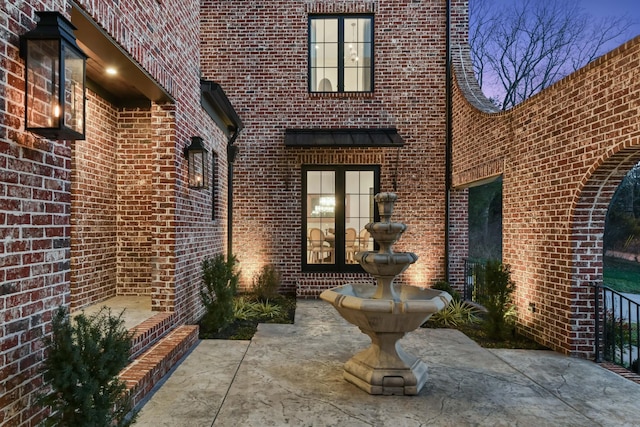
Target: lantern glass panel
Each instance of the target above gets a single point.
(43, 84)
(73, 90)
(197, 169)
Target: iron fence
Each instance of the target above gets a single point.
(474, 279)
(618, 337)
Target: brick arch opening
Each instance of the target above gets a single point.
(589, 215)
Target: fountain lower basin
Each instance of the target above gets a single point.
(356, 303)
(385, 368)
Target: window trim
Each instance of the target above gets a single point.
(340, 266)
(341, 67)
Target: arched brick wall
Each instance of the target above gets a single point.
(562, 153)
(592, 202)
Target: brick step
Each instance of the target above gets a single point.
(150, 331)
(146, 370)
(622, 371)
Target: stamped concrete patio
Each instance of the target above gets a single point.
(291, 375)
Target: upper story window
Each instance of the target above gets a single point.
(341, 53)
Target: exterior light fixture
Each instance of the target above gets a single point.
(196, 156)
(54, 79)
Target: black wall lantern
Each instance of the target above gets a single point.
(196, 156)
(54, 79)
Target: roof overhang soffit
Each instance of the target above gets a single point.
(133, 86)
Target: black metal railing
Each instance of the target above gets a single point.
(474, 279)
(618, 328)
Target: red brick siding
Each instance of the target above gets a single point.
(458, 237)
(258, 51)
(562, 154)
(94, 238)
(164, 232)
(170, 232)
(178, 231)
(35, 197)
(135, 162)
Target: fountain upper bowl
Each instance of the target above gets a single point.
(385, 232)
(385, 264)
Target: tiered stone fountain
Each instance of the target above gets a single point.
(386, 312)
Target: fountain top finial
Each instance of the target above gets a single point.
(385, 203)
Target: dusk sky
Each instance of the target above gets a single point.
(596, 8)
(612, 7)
(602, 8)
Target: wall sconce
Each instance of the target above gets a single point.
(197, 160)
(54, 79)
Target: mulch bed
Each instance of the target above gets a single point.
(244, 329)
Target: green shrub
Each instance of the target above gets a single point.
(219, 285)
(445, 286)
(266, 283)
(497, 288)
(84, 357)
(455, 314)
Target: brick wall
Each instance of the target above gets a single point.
(35, 196)
(562, 154)
(94, 230)
(164, 228)
(135, 162)
(258, 51)
(81, 221)
(458, 237)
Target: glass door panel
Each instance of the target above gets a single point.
(359, 211)
(321, 217)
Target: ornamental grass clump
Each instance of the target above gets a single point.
(246, 309)
(84, 357)
(457, 313)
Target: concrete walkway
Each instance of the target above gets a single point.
(291, 375)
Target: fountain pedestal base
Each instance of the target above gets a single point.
(385, 368)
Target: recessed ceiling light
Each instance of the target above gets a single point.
(111, 71)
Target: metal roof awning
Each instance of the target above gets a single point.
(385, 137)
(217, 105)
